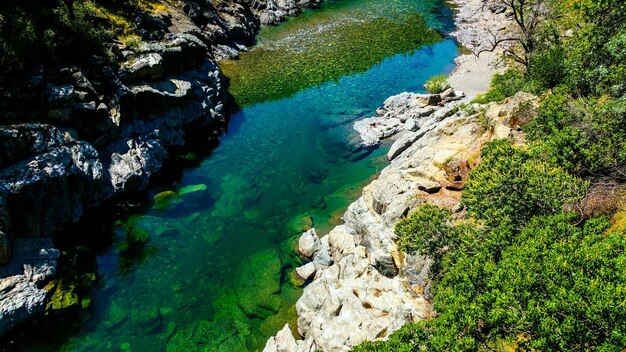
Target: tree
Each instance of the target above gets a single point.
(520, 40)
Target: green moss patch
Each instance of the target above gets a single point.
(337, 49)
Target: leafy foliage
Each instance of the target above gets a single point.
(423, 230)
(512, 186)
(550, 286)
(437, 84)
(61, 31)
(585, 136)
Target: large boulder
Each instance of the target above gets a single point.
(309, 243)
(54, 186)
(33, 262)
(131, 169)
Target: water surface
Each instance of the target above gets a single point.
(209, 266)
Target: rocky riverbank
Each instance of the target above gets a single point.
(81, 134)
(363, 287)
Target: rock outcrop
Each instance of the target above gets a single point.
(370, 288)
(34, 260)
(275, 11)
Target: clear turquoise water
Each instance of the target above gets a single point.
(210, 268)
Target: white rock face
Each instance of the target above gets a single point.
(282, 342)
(309, 243)
(405, 112)
(306, 271)
(370, 290)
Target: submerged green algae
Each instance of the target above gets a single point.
(343, 45)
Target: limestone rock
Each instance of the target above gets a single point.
(283, 342)
(322, 257)
(341, 242)
(306, 271)
(309, 243)
(403, 112)
(402, 144)
(428, 186)
(428, 99)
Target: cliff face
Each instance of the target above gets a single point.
(80, 134)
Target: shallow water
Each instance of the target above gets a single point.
(210, 265)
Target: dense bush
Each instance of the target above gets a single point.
(50, 31)
(61, 32)
(586, 136)
(437, 84)
(512, 186)
(552, 286)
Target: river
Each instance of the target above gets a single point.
(207, 264)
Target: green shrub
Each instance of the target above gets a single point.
(547, 69)
(437, 84)
(503, 86)
(424, 230)
(585, 136)
(511, 185)
(553, 287)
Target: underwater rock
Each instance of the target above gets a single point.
(63, 297)
(166, 200)
(192, 189)
(146, 319)
(258, 284)
(294, 279)
(116, 316)
(300, 223)
(238, 194)
(230, 330)
(316, 174)
(342, 142)
(333, 120)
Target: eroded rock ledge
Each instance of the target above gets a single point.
(77, 136)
